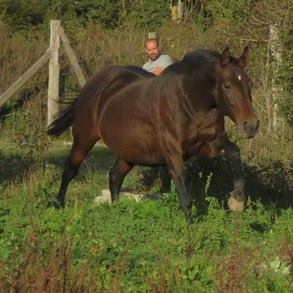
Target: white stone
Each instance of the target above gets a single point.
(106, 196)
(235, 205)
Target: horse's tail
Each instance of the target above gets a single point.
(64, 121)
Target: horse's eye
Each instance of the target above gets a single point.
(227, 84)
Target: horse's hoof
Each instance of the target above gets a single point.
(58, 205)
(190, 220)
(235, 205)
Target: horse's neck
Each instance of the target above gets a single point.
(191, 97)
(200, 90)
(200, 103)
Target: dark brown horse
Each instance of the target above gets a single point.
(148, 120)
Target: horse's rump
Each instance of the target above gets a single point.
(95, 94)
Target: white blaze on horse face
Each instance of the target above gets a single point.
(239, 77)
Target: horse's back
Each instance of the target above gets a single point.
(105, 79)
(102, 87)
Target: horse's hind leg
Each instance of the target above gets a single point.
(116, 177)
(77, 154)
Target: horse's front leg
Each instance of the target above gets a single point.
(237, 197)
(165, 180)
(176, 168)
(116, 176)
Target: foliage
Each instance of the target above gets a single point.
(230, 10)
(148, 14)
(208, 13)
(23, 14)
(142, 246)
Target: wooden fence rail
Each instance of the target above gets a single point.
(24, 78)
(51, 55)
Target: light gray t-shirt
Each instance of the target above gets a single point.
(163, 61)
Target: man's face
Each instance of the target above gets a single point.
(152, 50)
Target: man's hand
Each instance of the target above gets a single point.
(158, 70)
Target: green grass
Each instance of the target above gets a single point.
(132, 247)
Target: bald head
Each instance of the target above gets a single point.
(152, 49)
(151, 40)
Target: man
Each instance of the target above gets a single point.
(157, 62)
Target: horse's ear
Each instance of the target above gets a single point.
(243, 60)
(225, 57)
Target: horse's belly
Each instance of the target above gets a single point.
(132, 149)
(132, 140)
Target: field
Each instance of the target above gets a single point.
(133, 246)
(143, 246)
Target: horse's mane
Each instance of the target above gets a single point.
(206, 55)
(200, 60)
(139, 71)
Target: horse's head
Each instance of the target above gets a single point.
(234, 92)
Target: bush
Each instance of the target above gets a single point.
(108, 13)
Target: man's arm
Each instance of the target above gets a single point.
(165, 61)
(158, 70)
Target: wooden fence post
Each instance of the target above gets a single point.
(180, 10)
(152, 35)
(276, 50)
(53, 84)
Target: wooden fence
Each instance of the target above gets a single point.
(51, 55)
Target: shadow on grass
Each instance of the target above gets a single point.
(271, 184)
(100, 158)
(14, 167)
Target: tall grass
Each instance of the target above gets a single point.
(138, 247)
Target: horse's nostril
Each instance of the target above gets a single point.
(249, 124)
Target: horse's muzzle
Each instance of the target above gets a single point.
(249, 127)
